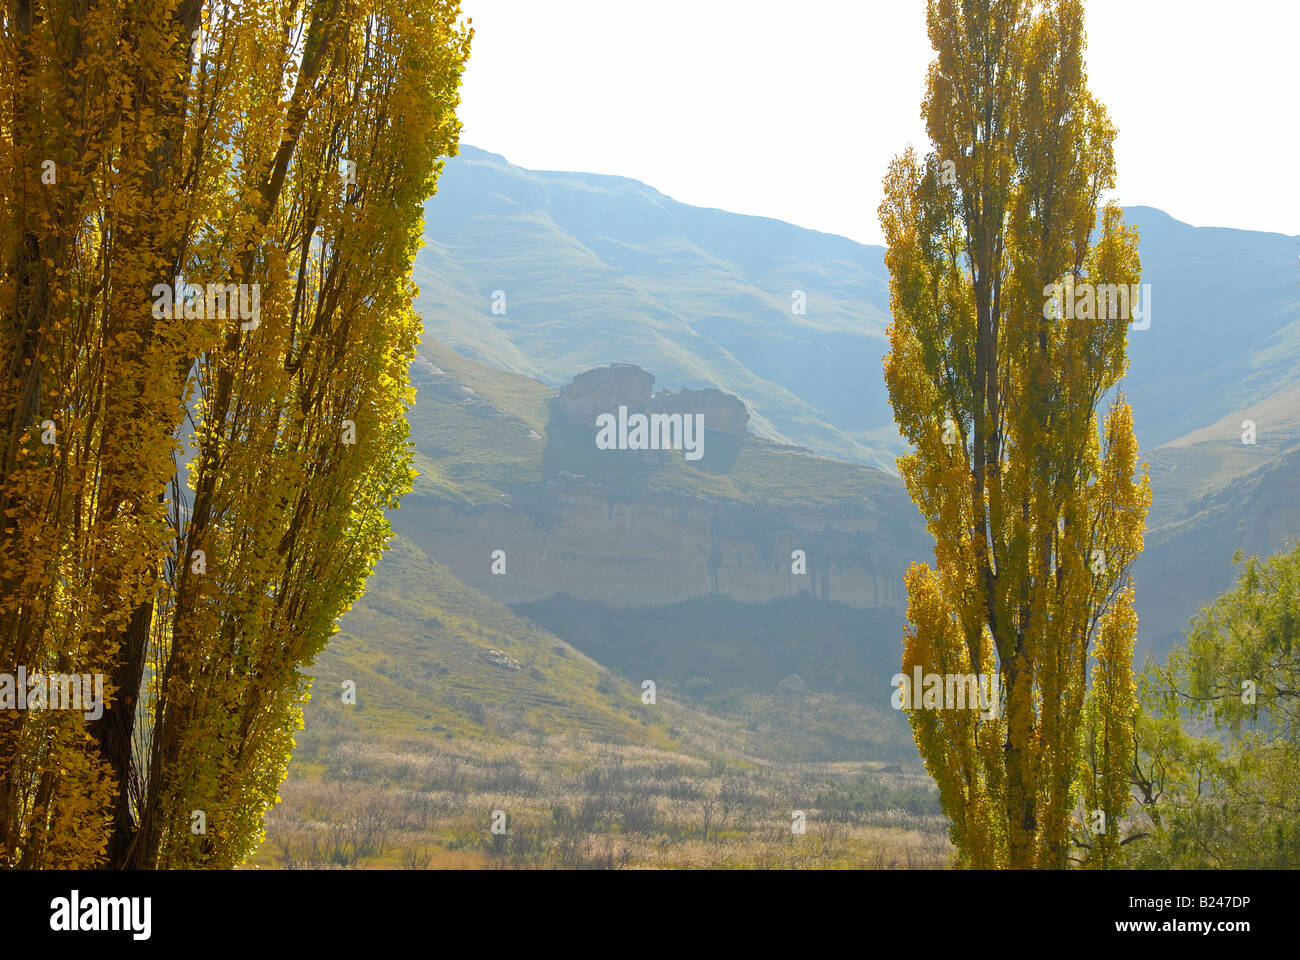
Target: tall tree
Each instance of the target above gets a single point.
(995, 382)
(193, 479)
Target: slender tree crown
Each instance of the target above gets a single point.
(208, 213)
(995, 374)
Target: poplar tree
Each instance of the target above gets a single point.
(1034, 504)
(193, 481)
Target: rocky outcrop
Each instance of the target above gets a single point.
(628, 528)
(604, 389)
(723, 412)
(499, 658)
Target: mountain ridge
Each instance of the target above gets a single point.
(597, 269)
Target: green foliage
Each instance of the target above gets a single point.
(1218, 769)
(872, 793)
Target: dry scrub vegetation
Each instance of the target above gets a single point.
(573, 803)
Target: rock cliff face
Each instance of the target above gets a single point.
(628, 528)
(574, 538)
(722, 412)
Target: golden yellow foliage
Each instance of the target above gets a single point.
(214, 496)
(1036, 520)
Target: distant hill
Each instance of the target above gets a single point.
(1215, 495)
(717, 578)
(598, 270)
(1225, 332)
(508, 464)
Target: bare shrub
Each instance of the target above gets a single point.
(638, 813)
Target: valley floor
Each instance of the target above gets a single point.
(573, 803)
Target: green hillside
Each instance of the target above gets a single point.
(416, 646)
(603, 269)
(481, 433)
(1214, 495)
(464, 707)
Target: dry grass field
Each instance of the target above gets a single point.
(578, 804)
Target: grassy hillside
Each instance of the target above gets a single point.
(417, 647)
(477, 431)
(464, 709)
(481, 433)
(1214, 495)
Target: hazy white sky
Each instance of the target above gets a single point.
(793, 109)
